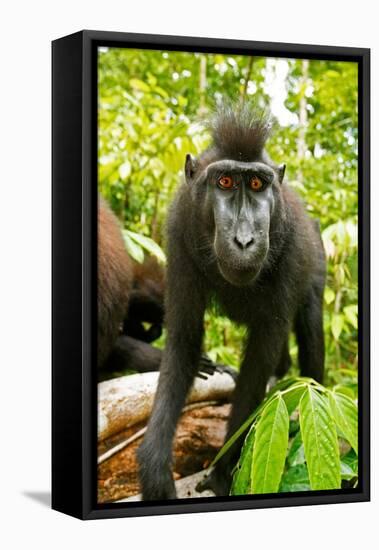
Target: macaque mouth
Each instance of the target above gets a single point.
(239, 275)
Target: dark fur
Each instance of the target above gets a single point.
(146, 302)
(239, 134)
(118, 279)
(114, 281)
(261, 258)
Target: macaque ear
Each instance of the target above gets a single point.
(189, 167)
(281, 172)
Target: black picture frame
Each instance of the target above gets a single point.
(74, 204)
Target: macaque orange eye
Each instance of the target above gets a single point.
(225, 182)
(256, 184)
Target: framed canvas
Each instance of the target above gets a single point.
(210, 274)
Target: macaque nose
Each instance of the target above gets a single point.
(244, 240)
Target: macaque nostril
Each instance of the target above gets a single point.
(244, 242)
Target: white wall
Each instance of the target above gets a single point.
(26, 31)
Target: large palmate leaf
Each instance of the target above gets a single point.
(345, 412)
(270, 448)
(319, 436)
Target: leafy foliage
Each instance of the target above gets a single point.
(278, 457)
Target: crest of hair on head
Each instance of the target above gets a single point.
(240, 131)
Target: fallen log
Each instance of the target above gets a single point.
(128, 400)
(137, 435)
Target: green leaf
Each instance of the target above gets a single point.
(148, 244)
(241, 478)
(345, 412)
(134, 249)
(351, 314)
(139, 85)
(295, 479)
(270, 447)
(337, 325)
(329, 295)
(319, 436)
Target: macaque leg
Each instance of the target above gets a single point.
(310, 336)
(129, 353)
(262, 355)
(179, 366)
(281, 369)
(284, 362)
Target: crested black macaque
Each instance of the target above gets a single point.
(237, 234)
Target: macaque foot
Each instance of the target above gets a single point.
(216, 481)
(158, 493)
(158, 490)
(155, 476)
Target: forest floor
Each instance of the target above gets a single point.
(199, 436)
